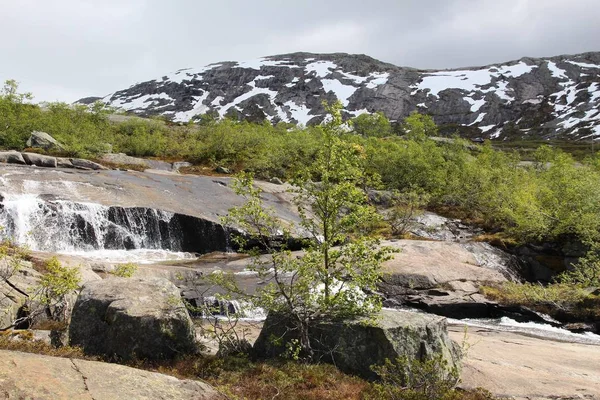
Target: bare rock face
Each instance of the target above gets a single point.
(11, 157)
(15, 289)
(86, 164)
(354, 346)
(32, 376)
(39, 160)
(42, 140)
(125, 318)
(531, 97)
(123, 159)
(444, 278)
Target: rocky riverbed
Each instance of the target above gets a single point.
(440, 274)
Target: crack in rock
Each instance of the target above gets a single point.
(83, 377)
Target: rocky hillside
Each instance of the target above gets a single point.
(556, 97)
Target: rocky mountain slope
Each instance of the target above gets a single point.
(556, 97)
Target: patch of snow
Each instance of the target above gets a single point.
(355, 78)
(341, 91)
(556, 72)
(321, 68)
(486, 128)
(262, 62)
(472, 80)
(359, 112)
(421, 105)
(262, 77)
(532, 101)
(217, 101)
(198, 108)
(300, 112)
(475, 104)
(140, 102)
(480, 118)
(293, 82)
(377, 80)
(255, 91)
(188, 74)
(594, 90)
(496, 134)
(583, 65)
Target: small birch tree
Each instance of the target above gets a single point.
(340, 267)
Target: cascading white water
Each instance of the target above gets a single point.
(64, 226)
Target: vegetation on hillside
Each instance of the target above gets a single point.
(552, 198)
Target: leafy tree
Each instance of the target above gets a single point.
(405, 206)
(375, 125)
(586, 272)
(330, 280)
(419, 126)
(56, 287)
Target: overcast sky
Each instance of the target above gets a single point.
(68, 49)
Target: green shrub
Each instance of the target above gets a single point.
(126, 270)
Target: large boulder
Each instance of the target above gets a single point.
(39, 160)
(11, 157)
(444, 277)
(33, 376)
(125, 160)
(131, 318)
(86, 164)
(42, 140)
(14, 291)
(354, 346)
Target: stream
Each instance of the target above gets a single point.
(57, 215)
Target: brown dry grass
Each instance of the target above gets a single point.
(239, 378)
(23, 341)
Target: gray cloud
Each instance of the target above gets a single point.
(67, 49)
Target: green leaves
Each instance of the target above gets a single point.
(59, 281)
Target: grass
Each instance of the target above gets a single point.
(561, 301)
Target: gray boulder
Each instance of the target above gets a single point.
(180, 164)
(124, 159)
(86, 164)
(15, 289)
(355, 346)
(11, 157)
(62, 162)
(131, 318)
(39, 160)
(42, 140)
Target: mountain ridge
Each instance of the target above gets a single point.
(548, 97)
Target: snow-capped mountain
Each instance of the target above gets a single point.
(549, 97)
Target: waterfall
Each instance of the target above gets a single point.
(58, 225)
